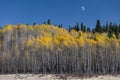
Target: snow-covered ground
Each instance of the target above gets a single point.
(55, 77)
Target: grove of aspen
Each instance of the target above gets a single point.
(50, 49)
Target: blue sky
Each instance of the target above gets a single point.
(67, 12)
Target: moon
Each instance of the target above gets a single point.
(83, 8)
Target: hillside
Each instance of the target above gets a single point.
(49, 49)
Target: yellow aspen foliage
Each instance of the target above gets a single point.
(30, 28)
(43, 41)
(47, 41)
(91, 42)
(56, 41)
(113, 37)
(71, 41)
(61, 37)
(66, 40)
(116, 43)
(80, 33)
(87, 35)
(29, 43)
(66, 44)
(7, 28)
(81, 41)
(21, 26)
(50, 36)
(37, 42)
(101, 39)
(74, 33)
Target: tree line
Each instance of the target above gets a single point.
(109, 28)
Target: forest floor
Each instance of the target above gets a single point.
(57, 77)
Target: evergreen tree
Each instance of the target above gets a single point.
(110, 33)
(106, 27)
(69, 28)
(88, 29)
(93, 30)
(77, 26)
(117, 31)
(34, 23)
(49, 22)
(27, 24)
(60, 26)
(98, 27)
(113, 27)
(44, 22)
(82, 26)
(110, 26)
(119, 28)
